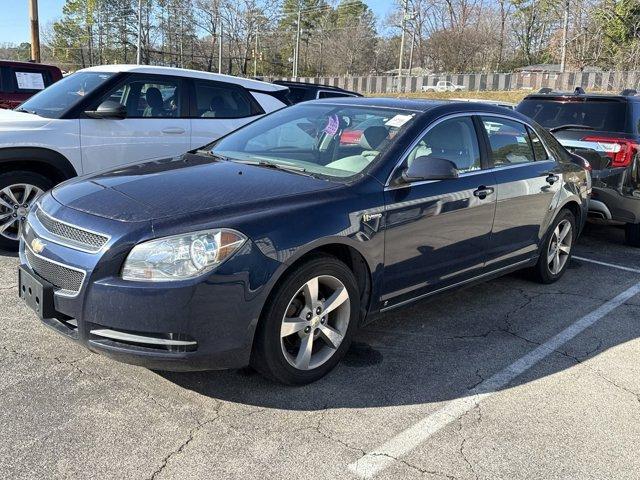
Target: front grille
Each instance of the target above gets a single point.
(66, 279)
(74, 236)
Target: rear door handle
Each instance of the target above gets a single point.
(173, 130)
(482, 192)
(552, 178)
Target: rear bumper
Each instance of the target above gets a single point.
(609, 204)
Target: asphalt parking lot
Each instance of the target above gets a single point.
(508, 379)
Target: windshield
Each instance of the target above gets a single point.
(55, 100)
(596, 114)
(328, 140)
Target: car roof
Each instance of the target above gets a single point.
(184, 72)
(417, 105)
(559, 96)
(12, 63)
(293, 83)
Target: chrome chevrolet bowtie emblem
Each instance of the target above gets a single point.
(37, 245)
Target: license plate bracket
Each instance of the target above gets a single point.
(36, 292)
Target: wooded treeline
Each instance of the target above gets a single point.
(343, 37)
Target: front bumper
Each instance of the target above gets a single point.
(199, 324)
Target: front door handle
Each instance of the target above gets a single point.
(173, 130)
(552, 178)
(482, 192)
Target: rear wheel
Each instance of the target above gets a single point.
(556, 251)
(19, 190)
(632, 234)
(308, 323)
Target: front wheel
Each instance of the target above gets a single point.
(556, 250)
(19, 190)
(308, 323)
(632, 234)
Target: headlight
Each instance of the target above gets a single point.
(181, 256)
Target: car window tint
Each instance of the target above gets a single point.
(539, 151)
(148, 98)
(509, 140)
(599, 114)
(328, 94)
(220, 100)
(455, 140)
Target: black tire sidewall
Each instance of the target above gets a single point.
(21, 176)
(268, 357)
(542, 268)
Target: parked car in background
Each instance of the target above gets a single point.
(21, 80)
(443, 86)
(102, 117)
(303, 92)
(275, 243)
(604, 129)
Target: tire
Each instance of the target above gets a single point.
(13, 185)
(278, 351)
(632, 234)
(547, 271)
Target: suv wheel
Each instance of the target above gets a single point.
(556, 250)
(632, 234)
(18, 192)
(308, 323)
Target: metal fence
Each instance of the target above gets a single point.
(602, 81)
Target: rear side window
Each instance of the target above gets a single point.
(220, 100)
(597, 114)
(509, 140)
(538, 148)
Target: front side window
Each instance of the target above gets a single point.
(54, 101)
(328, 140)
(148, 97)
(509, 141)
(217, 100)
(454, 140)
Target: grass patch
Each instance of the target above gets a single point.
(513, 96)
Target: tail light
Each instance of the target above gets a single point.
(621, 151)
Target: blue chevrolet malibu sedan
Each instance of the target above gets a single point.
(271, 246)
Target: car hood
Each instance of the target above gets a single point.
(12, 120)
(181, 186)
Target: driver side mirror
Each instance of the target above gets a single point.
(429, 168)
(108, 110)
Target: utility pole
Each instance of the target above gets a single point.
(296, 57)
(255, 55)
(405, 12)
(413, 42)
(139, 53)
(565, 35)
(220, 50)
(35, 31)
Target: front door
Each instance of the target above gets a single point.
(437, 232)
(154, 127)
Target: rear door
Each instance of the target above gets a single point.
(437, 232)
(156, 125)
(218, 108)
(527, 179)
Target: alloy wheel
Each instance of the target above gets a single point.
(15, 202)
(315, 322)
(559, 247)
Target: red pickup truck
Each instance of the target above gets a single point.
(21, 80)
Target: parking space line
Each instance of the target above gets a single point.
(605, 264)
(369, 465)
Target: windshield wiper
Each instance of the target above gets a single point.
(24, 110)
(276, 166)
(569, 127)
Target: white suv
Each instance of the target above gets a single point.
(102, 117)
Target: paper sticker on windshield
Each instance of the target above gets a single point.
(332, 125)
(398, 121)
